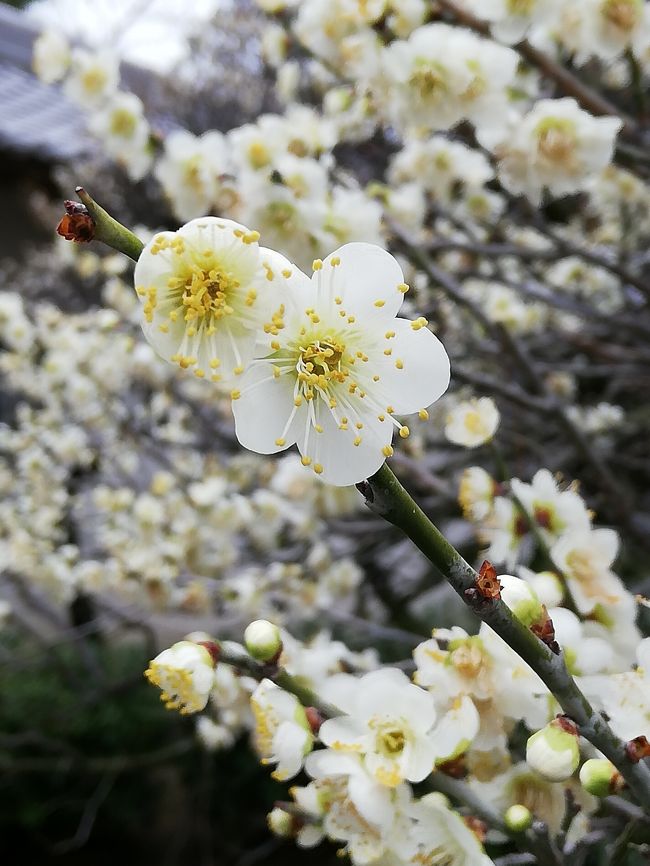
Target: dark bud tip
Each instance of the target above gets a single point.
(637, 749)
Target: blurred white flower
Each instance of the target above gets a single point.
(51, 56)
(472, 422)
(93, 77)
(556, 147)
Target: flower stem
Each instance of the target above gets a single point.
(109, 231)
(386, 496)
(259, 671)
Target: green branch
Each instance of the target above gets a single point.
(386, 496)
(108, 231)
(272, 671)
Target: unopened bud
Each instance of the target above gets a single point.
(280, 823)
(600, 777)
(553, 752)
(263, 640)
(518, 818)
(522, 600)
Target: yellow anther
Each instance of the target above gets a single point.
(317, 264)
(423, 415)
(399, 364)
(280, 442)
(404, 432)
(338, 300)
(387, 451)
(388, 351)
(335, 261)
(238, 370)
(235, 394)
(403, 288)
(357, 440)
(214, 363)
(199, 373)
(318, 469)
(286, 273)
(379, 303)
(306, 461)
(375, 378)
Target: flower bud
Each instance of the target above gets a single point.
(522, 600)
(518, 818)
(185, 675)
(263, 640)
(599, 777)
(553, 752)
(280, 823)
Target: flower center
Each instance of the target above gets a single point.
(429, 80)
(204, 292)
(474, 423)
(623, 14)
(392, 742)
(94, 80)
(123, 123)
(319, 364)
(556, 140)
(520, 7)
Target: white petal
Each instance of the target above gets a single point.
(424, 373)
(368, 281)
(419, 759)
(372, 801)
(344, 734)
(289, 744)
(343, 462)
(263, 410)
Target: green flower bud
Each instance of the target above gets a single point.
(599, 777)
(263, 640)
(518, 818)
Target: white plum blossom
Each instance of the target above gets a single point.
(511, 19)
(472, 422)
(390, 724)
(555, 511)
(585, 557)
(601, 28)
(185, 675)
(442, 74)
(191, 170)
(282, 733)
(557, 147)
(340, 368)
(93, 77)
(124, 132)
(206, 291)
(51, 56)
(440, 835)
(625, 697)
(476, 493)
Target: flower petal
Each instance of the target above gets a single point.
(344, 734)
(263, 410)
(368, 280)
(343, 462)
(417, 372)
